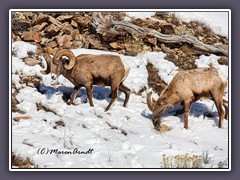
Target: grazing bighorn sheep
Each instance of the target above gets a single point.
(188, 87)
(88, 70)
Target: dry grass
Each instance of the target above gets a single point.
(20, 162)
(133, 45)
(182, 161)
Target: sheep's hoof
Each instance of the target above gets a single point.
(162, 128)
(69, 103)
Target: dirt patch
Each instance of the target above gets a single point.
(41, 107)
(15, 101)
(223, 61)
(21, 162)
(154, 81)
(183, 57)
(59, 124)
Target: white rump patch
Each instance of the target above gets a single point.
(127, 69)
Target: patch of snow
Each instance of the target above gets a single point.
(140, 15)
(21, 49)
(217, 21)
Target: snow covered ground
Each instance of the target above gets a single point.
(121, 137)
(133, 144)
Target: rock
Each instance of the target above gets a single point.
(162, 128)
(64, 41)
(95, 42)
(28, 14)
(74, 24)
(55, 22)
(210, 33)
(223, 60)
(75, 35)
(116, 45)
(39, 18)
(15, 37)
(39, 49)
(52, 44)
(180, 30)
(21, 117)
(20, 22)
(40, 27)
(31, 36)
(146, 48)
(159, 20)
(31, 61)
(167, 29)
(153, 41)
(50, 50)
(165, 49)
(157, 48)
(67, 28)
(77, 44)
(31, 84)
(64, 17)
(82, 21)
(51, 30)
(122, 51)
(199, 30)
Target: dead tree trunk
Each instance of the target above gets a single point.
(107, 25)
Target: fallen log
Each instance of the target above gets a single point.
(107, 25)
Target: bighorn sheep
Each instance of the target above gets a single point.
(188, 87)
(88, 70)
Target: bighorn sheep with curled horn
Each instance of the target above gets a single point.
(188, 87)
(88, 70)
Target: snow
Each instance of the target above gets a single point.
(88, 127)
(217, 21)
(121, 137)
(139, 15)
(21, 49)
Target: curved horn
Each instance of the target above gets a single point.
(48, 61)
(150, 103)
(67, 53)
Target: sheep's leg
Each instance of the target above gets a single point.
(114, 91)
(75, 91)
(187, 106)
(220, 112)
(219, 104)
(225, 104)
(89, 88)
(126, 91)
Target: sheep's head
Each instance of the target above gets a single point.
(60, 63)
(157, 107)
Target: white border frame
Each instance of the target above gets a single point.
(121, 10)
